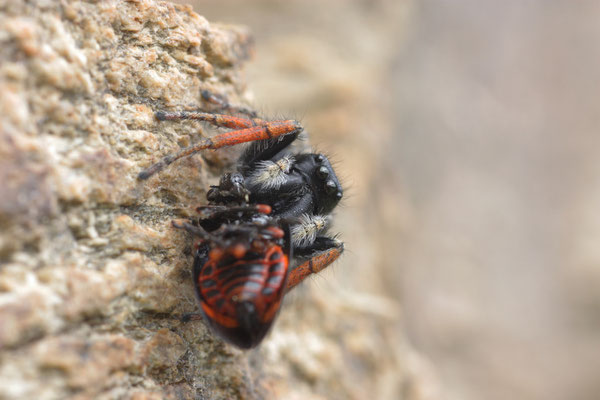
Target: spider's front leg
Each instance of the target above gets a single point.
(223, 105)
(247, 130)
(324, 251)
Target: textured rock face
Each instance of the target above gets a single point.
(92, 276)
(90, 269)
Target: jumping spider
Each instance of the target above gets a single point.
(273, 211)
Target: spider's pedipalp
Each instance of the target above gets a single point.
(271, 174)
(305, 232)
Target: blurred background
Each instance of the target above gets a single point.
(466, 133)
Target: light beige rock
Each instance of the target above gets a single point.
(93, 278)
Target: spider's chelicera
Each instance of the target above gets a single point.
(264, 229)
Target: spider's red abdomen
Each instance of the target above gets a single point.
(240, 289)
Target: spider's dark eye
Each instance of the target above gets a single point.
(320, 158)
(338, 195)
(330, 187)
(323, 172)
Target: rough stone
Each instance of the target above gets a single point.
(93, 278)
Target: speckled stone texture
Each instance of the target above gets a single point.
(93, 278)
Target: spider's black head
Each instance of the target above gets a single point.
(324, 182)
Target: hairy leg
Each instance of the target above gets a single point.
(247, 130)
(316, 263)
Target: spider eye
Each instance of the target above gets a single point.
(338, 195)
(323, 172)
(330, 187)
(320, 158)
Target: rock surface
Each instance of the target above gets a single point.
(92, 277)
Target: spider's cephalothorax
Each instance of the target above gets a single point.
(275, 208)
(292, 183)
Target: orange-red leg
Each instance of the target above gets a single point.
(221, 120)
(313, 266)
(249, 130)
